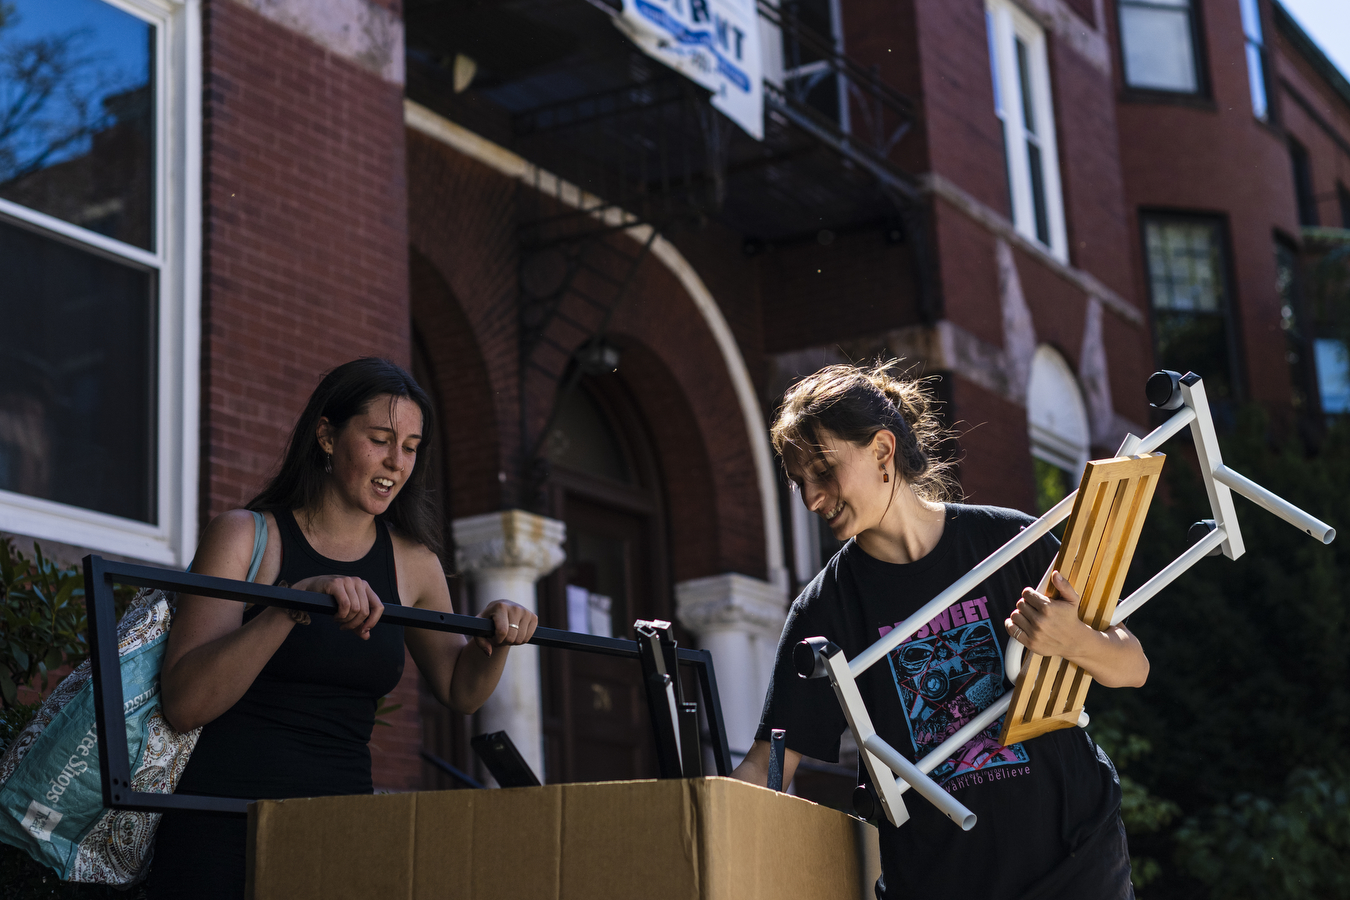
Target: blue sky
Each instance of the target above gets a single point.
(1328, 23)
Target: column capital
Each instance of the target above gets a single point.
(509, 539)
(731, 602)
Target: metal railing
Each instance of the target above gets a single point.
(114, 760)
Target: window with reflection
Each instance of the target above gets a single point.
(80, 260)
(77, 127)
(1157, 43)
(1256, 58)
(1187, 276)
(1333, 375)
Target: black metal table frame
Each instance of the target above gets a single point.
(114, 759)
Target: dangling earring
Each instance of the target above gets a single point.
(328, 463)
(885, 477)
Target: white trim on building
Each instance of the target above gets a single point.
(1024, 104)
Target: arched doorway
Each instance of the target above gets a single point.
(604, 485)
(1057, 425)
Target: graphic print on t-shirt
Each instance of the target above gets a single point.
(947, 673)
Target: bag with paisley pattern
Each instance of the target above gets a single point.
(51, 802)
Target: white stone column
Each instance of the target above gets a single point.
(504, 554)
(739, 619)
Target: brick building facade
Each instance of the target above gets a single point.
(1004, 196)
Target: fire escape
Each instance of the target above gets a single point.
(629, 146)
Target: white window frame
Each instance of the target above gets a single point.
(1257, 58)
(1010, 23)
(177, 261)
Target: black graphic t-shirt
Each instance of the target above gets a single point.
(1048, 808)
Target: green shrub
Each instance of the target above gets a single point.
(42, 620)
(1249, 680)
(1293, 846)
(42, 627)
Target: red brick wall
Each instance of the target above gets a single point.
(815, 294)
(463, 221)
(1216, 158)
(969, 273)
(883, 35)
(662, 318)
(958, 99)
(1329, 161)
(995, 456)
(305, 262)
(468, 427)
(1089, 168)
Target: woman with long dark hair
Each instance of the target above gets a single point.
(288, 702)
(859, 446)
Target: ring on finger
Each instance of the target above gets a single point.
(513, 625)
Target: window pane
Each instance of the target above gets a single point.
(1251, 20)
(1333, 375)
(77, 115)
(1185, 269)
(819, 90)
(814, 15)
(1184, 266)
(77, 377)
(1157, 49)
(993, 63)
(1024, 77)
(1256, 74)
(1038, 193)
(1195, 343)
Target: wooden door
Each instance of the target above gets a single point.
(596, 723)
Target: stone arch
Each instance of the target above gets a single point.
(470, 451)
(461, 214)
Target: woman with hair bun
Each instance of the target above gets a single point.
(288, 702)
(859, 444)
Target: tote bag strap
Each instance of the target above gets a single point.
(259, 545)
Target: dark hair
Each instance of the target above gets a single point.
(343, 393)
(853, 404)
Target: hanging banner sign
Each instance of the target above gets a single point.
(714, 43)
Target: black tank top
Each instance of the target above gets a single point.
(302, 728)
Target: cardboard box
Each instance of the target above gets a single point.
(704, 838)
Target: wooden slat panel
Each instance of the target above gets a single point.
(1099, 542)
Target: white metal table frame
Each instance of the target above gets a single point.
(888, 770)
